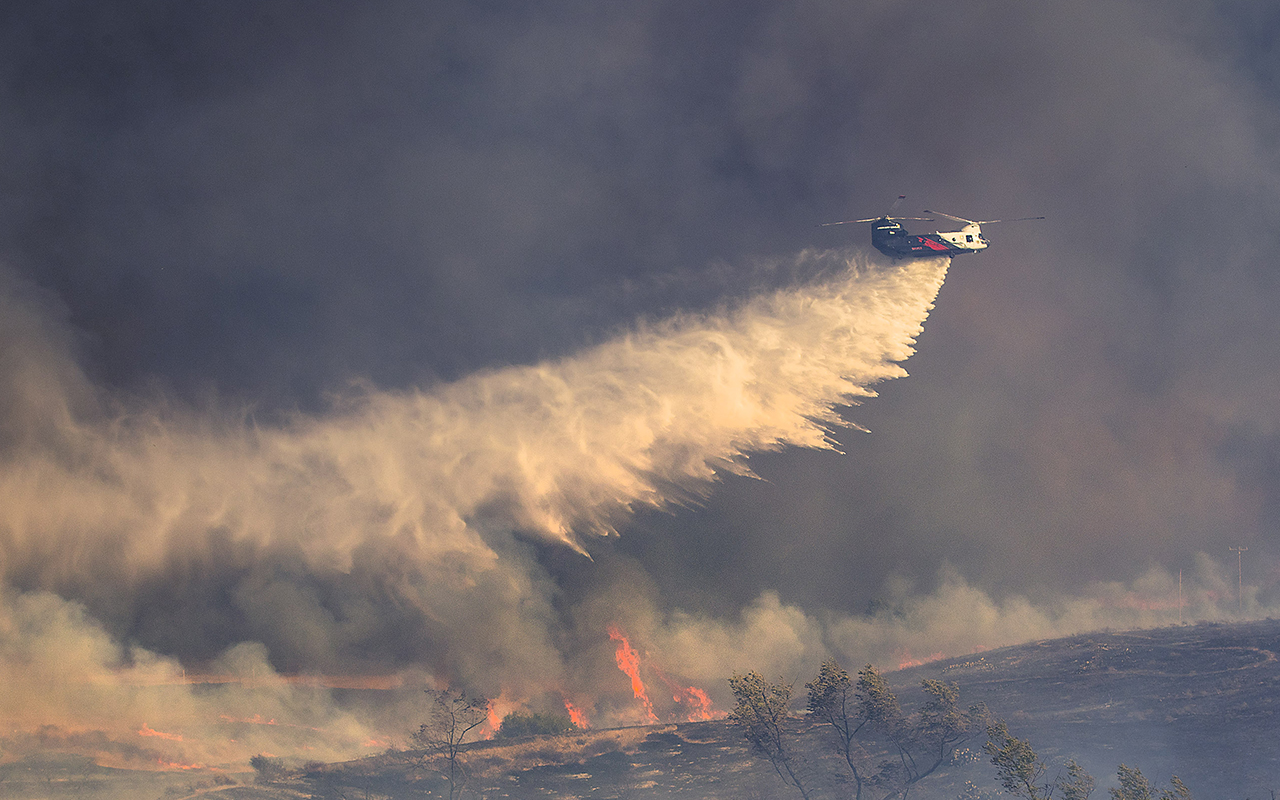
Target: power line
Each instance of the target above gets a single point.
(1239, 576)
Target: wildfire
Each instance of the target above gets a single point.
(696, 701)
(147, 731)
(492, 721)
(629, 662)
(175, 765)
(577, 715)
(497, 710)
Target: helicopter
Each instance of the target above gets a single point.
(891, 238)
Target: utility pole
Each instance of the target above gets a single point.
(1239, 578)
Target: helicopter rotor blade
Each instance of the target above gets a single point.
(949, 216)
(847, 222)
(872, 219)
(897, 203)
(993, 221)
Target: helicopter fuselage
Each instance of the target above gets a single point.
(892, 239)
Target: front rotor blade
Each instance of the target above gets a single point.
(993, 221)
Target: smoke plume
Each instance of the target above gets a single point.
(147, 544)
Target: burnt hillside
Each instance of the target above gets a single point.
(1197, 701)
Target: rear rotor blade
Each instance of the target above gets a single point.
(848, 222)
(872, 219)
(949, 216)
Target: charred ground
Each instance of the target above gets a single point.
(1199, 701)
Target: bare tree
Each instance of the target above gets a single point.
(761, 713)
(833, 700)
(920, 743)
(451, 718)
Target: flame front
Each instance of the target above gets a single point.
(576, 715)
(629, 662)
(694, 700)
(147, 731)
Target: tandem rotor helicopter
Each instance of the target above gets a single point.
(889, 237)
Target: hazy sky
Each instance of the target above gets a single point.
(237, 218)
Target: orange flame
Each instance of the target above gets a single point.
(701, 710)
(577, 715)
(492, 721)
(176, 765)
(496, 711)
(147, 731)
(629, 662)
(696, 701)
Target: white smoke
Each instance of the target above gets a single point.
(565, 446)
(386, 534)
(69, 686)
(956, 618)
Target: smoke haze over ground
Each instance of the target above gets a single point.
(330, 337)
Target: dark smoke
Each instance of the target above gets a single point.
(248, 236)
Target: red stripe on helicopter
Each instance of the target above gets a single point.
(935, 245)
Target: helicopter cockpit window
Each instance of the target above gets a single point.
(969, 237)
